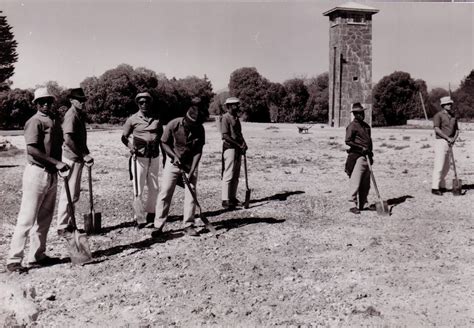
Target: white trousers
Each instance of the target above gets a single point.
(360, 182)
(74, 182)
(171, 174)
(441, 164)
(36, 214)
(231, 174)
(147, 172)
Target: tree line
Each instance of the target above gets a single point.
(396, 97)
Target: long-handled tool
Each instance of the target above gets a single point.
(382, 205)
(78, 246)
(206, 222)
(457, 183)
(247, 189)
(93, 220)
(137, 202)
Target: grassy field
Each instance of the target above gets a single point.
(297, 257)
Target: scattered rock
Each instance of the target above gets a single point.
(18, 303)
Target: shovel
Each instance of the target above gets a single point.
(78, 246)
(206, 222)
(93, 220)
(137, 202)
(382, 205)
(247, 189)
(457, 183)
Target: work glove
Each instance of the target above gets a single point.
(133, 150)
(62, 167)
(243, 147)
(88, 159)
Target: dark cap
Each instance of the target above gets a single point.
(78, 94)
(357, 107)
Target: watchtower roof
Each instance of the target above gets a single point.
(352, 6)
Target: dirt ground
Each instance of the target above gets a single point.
(297, 257)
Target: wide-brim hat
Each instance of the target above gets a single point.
(357, 107)
(78, 94)
(446, 100)
(42, 93)
(143, 95)
(232, 100)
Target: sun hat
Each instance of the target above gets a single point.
(78, 94)
(192, 114)
(232, 100)
(357, 107)
(446, 100)
(143, 95)
(42, 93)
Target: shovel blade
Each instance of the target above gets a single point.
(78, 247)
(247, 198)
(92, 223)
(382, 209)
(457, 187)
(139, 211)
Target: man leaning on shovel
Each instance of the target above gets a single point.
(146, 131)
(446, 131)
(233, 147)
(359, 140)
(43, 137)
(75, 154)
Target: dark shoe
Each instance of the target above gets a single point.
(443, 189)
(191, 231)
(436, 192)
(228, 205)
(158, 233)
(16, 267)
(236, 202)
(150, 217)
(354, 210)
(44, 262)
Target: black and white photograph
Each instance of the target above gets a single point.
(236, 163)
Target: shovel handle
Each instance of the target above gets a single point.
(372, 176)
(135, 175)
(245, 171)
(72, 219)
(91, 197)
(454, 163)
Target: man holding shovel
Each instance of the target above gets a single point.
(146, 131)
(233, 148)
(446, 131)
(358, 138)
(43, 137)
(75, 154)
(182, 140)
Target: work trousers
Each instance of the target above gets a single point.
(147, 172)
(36, 214)
(171, 174)
(74, 183)
(360, 182)
(441, 164)
(230, 177)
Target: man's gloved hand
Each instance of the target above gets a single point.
(365, 151)
(133, 150)
(243, 147)
(88, 159)
(62, 167)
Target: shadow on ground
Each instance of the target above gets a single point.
(398, 200)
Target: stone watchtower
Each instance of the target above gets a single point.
(350, 61)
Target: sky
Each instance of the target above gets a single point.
(67, 41)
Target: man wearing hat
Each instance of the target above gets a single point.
(43, 137)
(446, 131)
(75, 154)
(182, 140)
(233, 147)
(359, 140)
(145, 130)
